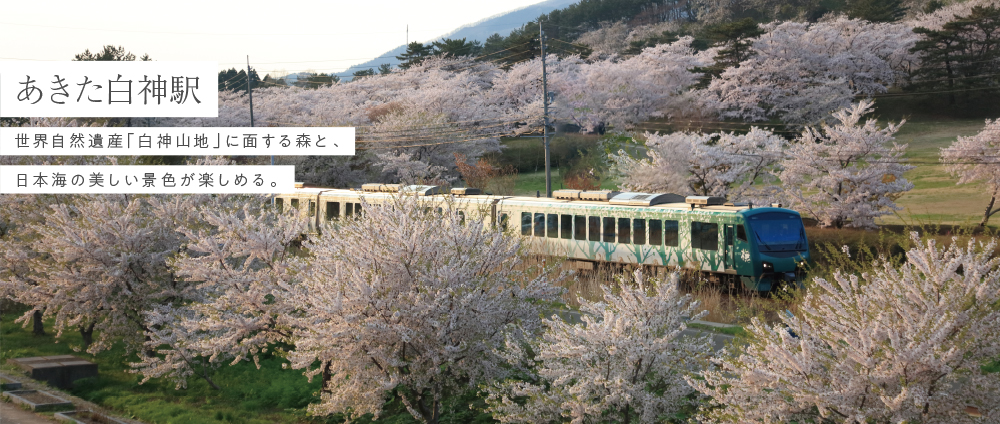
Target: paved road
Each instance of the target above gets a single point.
(13, 414)
(719, 341)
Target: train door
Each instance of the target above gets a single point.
(729, 251)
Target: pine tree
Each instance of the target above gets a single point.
(961, 55)
(736, 41)
(876, 10)
(415, 53)
(363, 73)
(456, 48)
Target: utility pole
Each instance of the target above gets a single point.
(250, 90)
(250, 93)
(545, 116)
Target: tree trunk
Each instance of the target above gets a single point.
(204, 374)
(88, 335)
(986, 217)
(36, 324)
(327, 377)
(149, 352)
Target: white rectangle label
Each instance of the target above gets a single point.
(176, 141)
(92, 89)
(145, 179)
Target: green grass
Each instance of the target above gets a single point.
(268, 395)
(528, 183)
(935, 196)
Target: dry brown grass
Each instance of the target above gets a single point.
(725, 304)
(487, 176)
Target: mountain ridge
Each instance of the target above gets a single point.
(501, 23)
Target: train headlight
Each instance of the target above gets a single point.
(768, 267)
(802, 264)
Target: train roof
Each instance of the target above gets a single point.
(675, 202)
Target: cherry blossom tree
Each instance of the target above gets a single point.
(425, 323)
(947, 13)
(626, 361)
(241, 255)
(98, 263)
(737, 166)
(847, 173)
(802, 72)
(622, 93)
(400, 299)
(429, 111)
(897, 344)
(974, 159)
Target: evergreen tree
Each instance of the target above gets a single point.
(876, 10)
(270, 81)
(932, 6)
(414, 55)
(363, 74)
(109, 53)
(493, 44)
(961, 55)
(637, 46)
(233, 80)
(316, 80)
(521, 44)
(455, 48)
(736, 40)
(384, 69)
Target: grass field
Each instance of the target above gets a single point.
(248, 396)
(935, 198)
(528, 183)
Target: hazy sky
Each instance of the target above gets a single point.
(288, 37)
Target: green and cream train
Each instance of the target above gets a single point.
(758, 246)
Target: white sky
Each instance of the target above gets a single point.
(280, 37)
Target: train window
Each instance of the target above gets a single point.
(552, 226)
(670, 236)
(349, 209)
(566, 226)
(312, 208)
(741, 233)
(704, 236)
(461, 217)
(595, 228)
(639, 231)
(539, 225)
(525, 223)
(503, 221)
(357, 209)
(580, 224)
(280, 204)
(608, 232)
(655, 232)
(332, 210)
(295, 204)
(438, 210)
(624, 232)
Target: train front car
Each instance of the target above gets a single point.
(777, 247)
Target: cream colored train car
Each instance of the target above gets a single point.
(736, 242)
